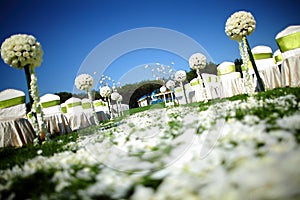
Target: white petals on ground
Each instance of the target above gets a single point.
(229, 150)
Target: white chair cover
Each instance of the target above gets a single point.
(15, 129)
(87, 109)
(101, 109)
(232, 83)
(75, 115)
(190, 93)
(268, 70)
(179, 95)
(213, 85)
(56, 121)
(199, 91)
(288, 41)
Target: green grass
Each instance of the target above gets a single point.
(17, 156)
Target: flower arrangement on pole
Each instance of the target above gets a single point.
(180, 76)
(115, 96)
(197, 61)
(23, 51)
(170, 84)
(86, 82)
(238, 26)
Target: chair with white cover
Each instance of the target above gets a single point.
(87, 109)
(190, 93)
(213, 85)
(75, 115)
(179, 95)
(56, 121)
(232, 82)
(101, 109)
(15, 128)
(288, 41)
(268, 70)
(195, 84)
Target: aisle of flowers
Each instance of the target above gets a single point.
(239, 149)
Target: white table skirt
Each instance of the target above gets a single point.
(290, 71)
(57, 124)
(16, 132)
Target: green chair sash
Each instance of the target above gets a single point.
(12, 102)
(50, 103)
(64, 109)
(70, 105)
(260, 56)
(226, 70)
(178, 90)
(278, 58)
(97, 104)
(289, 42)
(86, 105)
(195, 83)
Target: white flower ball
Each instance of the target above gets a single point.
(20, 50)
(115, 96)
(170, 84)
(197, 61)
(180, 76)
(84, 82)
(240, 24)
(105, 91)
(163, 89)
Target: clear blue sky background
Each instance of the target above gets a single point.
(70, 29)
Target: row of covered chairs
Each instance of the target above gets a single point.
(278, 69)
(16, 127)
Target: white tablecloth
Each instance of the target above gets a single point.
(16, 132)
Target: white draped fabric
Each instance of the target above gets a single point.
(190, 93)
(75, 115)
(232, 84)
(179, 95)
(268, 70)
(196, 86)
(15, 129)
(213, 86)
(55, 120)
(288, 41)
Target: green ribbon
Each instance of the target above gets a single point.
(260, 56)
(195, 83)
(178, 90)
(50, 103)
(209, 79)
(96, 104)
(64, 109)
(226, 70)
(278, 58)
(12, 102)
(289, 42)
(70, 105)
(86, 105)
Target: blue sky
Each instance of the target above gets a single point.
(71, 30)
